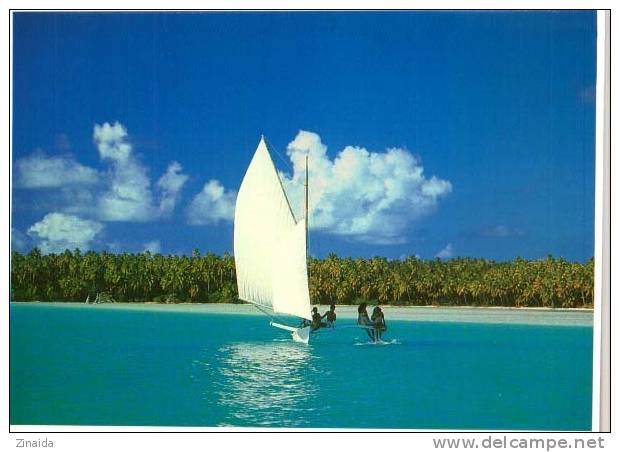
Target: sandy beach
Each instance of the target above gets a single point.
(499, 315)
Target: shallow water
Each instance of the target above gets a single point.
(94, 365)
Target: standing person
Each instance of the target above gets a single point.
(364, 320)
(331, 316)
(378, 320)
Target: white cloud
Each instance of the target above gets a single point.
(446, 252)
(76, 200)
(128, 195)
(39, 170)
(58, 231)
(111, 141)
(212, 205)
(154, 247)
(79, 197)
(170, 185)
(360, 194)
(364, 195)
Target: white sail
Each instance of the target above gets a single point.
(270, 250)
(290, 274)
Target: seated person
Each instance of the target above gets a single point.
(316, 320)
(331, 316)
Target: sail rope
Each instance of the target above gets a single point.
(292, 181)
(288, 163)
(267, 313)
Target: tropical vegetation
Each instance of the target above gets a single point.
(74, 276)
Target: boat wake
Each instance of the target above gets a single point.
(288, 339)
(391, 342)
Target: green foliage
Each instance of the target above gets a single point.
(208, 278)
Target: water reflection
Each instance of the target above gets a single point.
(265, 384)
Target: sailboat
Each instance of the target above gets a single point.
(270, 246)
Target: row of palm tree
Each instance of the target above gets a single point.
(74, 276)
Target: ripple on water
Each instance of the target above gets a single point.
(264, 384)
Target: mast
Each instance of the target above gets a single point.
(306, 205)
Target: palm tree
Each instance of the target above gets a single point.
(71, 275)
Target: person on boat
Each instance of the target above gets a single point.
(331, 316)
(316, 320)
(378, 319)
(364, 320)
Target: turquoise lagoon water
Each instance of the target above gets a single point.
(214, 366)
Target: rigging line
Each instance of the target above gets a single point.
(267, 313)
(286, 196)
(271, 147)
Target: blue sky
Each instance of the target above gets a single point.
(431, 133)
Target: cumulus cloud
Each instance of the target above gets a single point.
(128, 195)
(446, 252)
(111, 141)
(58, 231)
(212, 205)
(170, 185)
(364, 195)
(154, 247)
(359, 194)
(39, 170)
(76, 200)
(122, 192)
